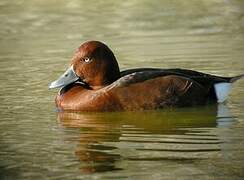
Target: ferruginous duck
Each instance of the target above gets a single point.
(93, 82)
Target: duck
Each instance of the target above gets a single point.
(94, 82)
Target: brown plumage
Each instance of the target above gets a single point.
(96, 84)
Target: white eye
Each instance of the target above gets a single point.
(87, 59)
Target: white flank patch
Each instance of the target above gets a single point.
(222, 91)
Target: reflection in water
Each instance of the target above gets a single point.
(147, 136)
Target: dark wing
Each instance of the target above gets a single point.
(138, 76)
(202, 78)
(130, 71)
(152, 89)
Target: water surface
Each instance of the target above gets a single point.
(37, 40)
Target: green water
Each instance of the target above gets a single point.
(37, 40)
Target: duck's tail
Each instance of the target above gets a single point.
(233, 79)
(222, 89)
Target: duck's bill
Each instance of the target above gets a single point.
(67, 78)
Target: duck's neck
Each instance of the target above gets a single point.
(63, 90)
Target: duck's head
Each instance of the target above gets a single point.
(93, 64)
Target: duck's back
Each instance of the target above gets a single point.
(157, 88)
